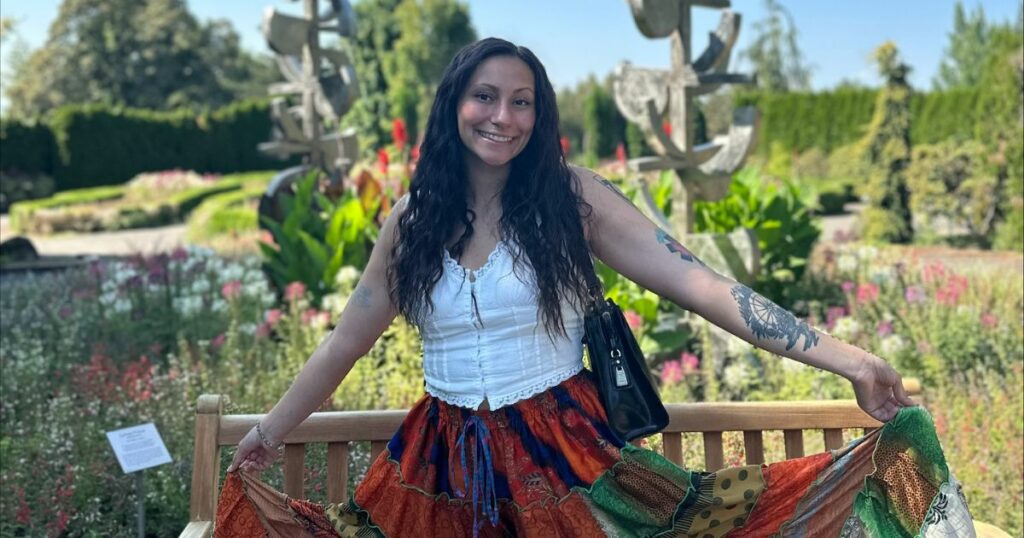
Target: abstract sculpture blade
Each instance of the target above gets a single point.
(325, 79)
(656, 98)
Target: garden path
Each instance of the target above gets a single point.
(119, 243)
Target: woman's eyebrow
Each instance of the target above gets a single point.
(494, 88)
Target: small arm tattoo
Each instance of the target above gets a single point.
(361, 296)
(768, 320)
(675, 247)
(612, 187)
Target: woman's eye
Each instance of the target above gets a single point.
(483, 96)
(522, 102)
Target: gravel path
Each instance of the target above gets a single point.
(121, 243)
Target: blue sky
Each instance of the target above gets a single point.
(575, 38)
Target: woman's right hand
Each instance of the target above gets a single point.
(253, 456)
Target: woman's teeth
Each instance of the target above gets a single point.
(494, 137)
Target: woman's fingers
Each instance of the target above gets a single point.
(901, 393)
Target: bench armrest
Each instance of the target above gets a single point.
(197, 529)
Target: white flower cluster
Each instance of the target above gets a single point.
(197, 277)
(846, 328)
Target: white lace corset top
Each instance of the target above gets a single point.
(485, 339)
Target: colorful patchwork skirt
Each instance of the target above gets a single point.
(549, 466)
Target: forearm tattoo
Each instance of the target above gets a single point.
(675, 247)
(361, 296)
(768, 320)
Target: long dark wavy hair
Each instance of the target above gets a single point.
(541, 210)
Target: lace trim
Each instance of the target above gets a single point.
(482, 270)
(497, 402)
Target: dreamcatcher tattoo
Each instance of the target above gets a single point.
(769, 320)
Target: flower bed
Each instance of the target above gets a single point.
(148, 200)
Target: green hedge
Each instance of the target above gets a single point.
(28, 148)
(92, 145)
(828, 120)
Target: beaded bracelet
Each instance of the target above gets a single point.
(263, 438)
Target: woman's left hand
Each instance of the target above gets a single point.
(879, 389)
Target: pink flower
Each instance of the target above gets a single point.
(315, 318)
(272, 316)
(634, 320)
(666, 127)
(833, 314)
(262, 331)
(690, 362)
(932, 272)
(564, 141)
(671, 372)
(915, 294)
(217, 341)
(231, 290)
(989, 320)
(848, 286)
(950, 293)
(383, 160)
(867, 292)
(620, 154)
(414, 154)
(884, 328)
(295, 291)
(179, 254)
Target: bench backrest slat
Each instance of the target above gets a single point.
(794, 440)
(337, 472)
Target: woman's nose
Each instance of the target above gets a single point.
(500, 114)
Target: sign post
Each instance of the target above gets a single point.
(138, 448)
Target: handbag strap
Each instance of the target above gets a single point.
(593, 281)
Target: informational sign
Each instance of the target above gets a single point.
(138, 447)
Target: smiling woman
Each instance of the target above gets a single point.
(496, 114)
(489, 256)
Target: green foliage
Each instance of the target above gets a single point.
(786, 231)
(22, 212)
(603, 126)
(232, 212)
(774, 53)
(951, 182)
(168, 59)
(98, 145)
(16, 187)
(968, 46)
(28, 147)
(886, 150)
(1002, 103)
(800, 121)
(829, 120)
(318, 236)
(400, 50)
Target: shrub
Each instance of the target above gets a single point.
(950, 182)
(785, 229)
(18, 187)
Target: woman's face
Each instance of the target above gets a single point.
(496, 112)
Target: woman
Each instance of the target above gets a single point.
(487, 256)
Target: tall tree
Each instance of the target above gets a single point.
(139, 53)
(968, 47)
(400, 52)
(774, 52)
(886, 150)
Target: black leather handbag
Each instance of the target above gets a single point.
(630, 400)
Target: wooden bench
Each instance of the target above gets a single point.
(215, 430)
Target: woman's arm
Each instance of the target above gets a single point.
(631, 244)
(367, 314)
